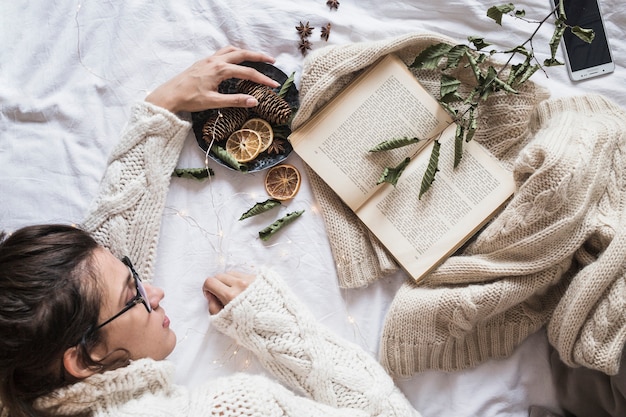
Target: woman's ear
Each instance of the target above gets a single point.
(72, 361)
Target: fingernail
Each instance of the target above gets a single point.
(251, 102)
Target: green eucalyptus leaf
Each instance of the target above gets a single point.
(392, 175)
(224, 156)
(259, 208)
(519, 50)
(394, 143)
(529, 71)
(503, 85)
(479, 43)
(193, 173)
(270, 230)
(448, 88)
(430, 57)
(472, 125)
(586, 35)
(458, 144)
(516, 71)
(474, 66)
(455, 55)
(560, 12)
(470, 96)
(431, 169)
(496, 12)
(286, 85)
(559, 30)
(551, 62)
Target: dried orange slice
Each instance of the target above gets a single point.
(263, 128)
(282, 182)
(244, 145)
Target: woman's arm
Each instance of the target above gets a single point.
(270, 321)
(126, 214)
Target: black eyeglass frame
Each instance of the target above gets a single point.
(140, 297)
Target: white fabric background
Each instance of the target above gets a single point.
(69, 71)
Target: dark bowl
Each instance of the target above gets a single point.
(264, 160)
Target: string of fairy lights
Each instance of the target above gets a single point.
(284, 248)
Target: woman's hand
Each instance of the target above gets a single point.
(195, 89)
(223, 288)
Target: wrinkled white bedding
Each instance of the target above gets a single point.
(69, 71)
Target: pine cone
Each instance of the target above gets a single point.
(220, 127)
(271, 107)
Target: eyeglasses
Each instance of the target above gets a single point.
(140, 297)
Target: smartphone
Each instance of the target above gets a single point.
(586, 60)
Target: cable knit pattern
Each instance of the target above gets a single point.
(291, 344)
(126, 214)
(504, 130)
(340, 378)
(556, 255)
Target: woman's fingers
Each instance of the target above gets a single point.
(223, 288)
(196, 88)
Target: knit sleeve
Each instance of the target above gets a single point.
(126, 214)
(268, 320)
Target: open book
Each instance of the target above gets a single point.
(387, 102)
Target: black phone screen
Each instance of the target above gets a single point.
(586, 14)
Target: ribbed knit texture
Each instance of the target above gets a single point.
(339, 378)
(503, 120)
(554, 256)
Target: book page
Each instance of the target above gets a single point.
(421, 233)
(384, 103)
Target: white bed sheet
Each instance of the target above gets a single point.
(69, 71)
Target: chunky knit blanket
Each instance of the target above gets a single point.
(555, 256)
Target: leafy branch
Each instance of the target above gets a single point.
(463, 105)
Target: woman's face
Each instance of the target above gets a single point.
(142, 334)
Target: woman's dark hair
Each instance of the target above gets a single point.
(49, 299)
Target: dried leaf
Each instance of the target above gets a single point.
(270, 230)
(455, 55)
(430, 57)
(193, 173)
(458, 144)
(586, 35)
(394, 143)
(431, 170)
(286, 85)
(559, 30)
(392, 175)
(472, 125)
(479, 43)
(223, 155)
(259, 208)
(496, 12)
(448, 89)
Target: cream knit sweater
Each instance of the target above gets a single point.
(555, 256)
(337, 378)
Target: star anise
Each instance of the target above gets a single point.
(325, 32)
(304, 46)
(304, 30)
(276, 147)
(333, 4)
